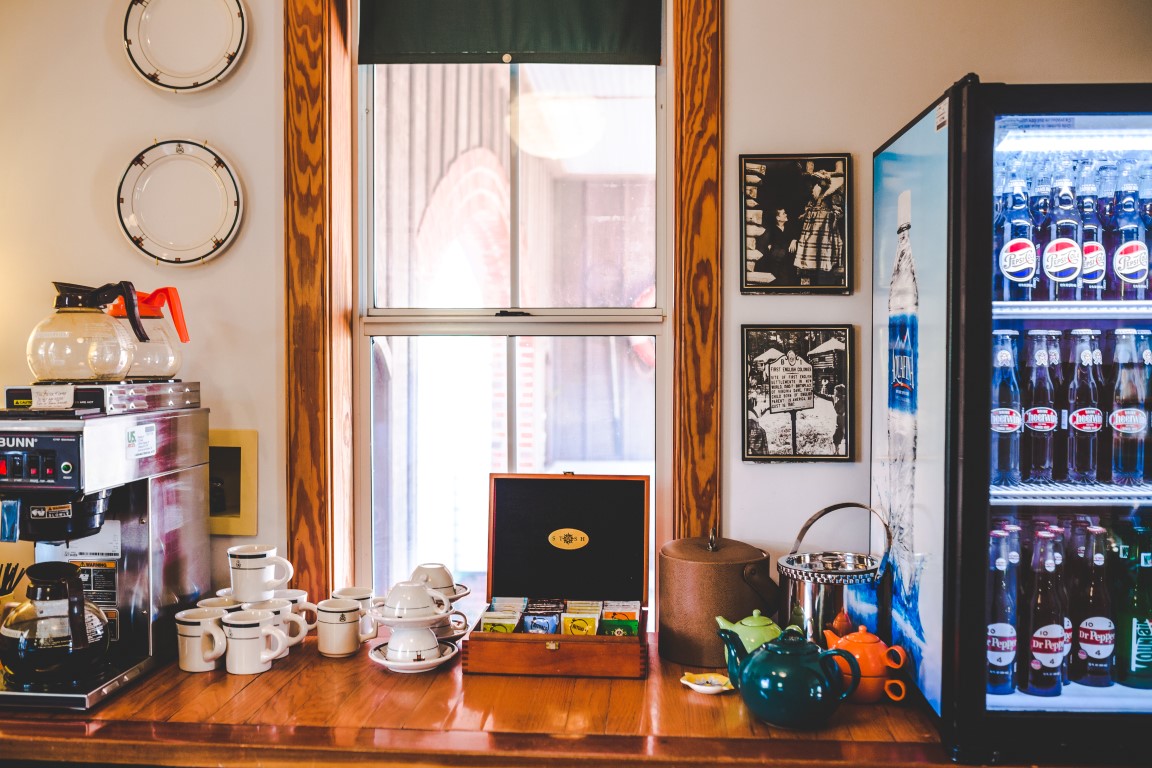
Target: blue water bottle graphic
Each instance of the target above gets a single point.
(903, 346)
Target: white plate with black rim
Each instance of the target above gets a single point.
(185, 45)
(180, 202)
(379, 654)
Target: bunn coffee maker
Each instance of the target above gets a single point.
(124, 496)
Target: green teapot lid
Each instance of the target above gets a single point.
(792, 641)
(756, 620)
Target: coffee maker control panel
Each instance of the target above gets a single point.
(44, 462)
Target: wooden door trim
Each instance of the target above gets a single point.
(320, 310)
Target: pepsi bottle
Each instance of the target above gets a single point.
(1018, 265)
(1084, 416)
(1062, 258)
(1006, 419)
(1040, 415)
(1128, 420)
(1130, 258)
(1001, 617)
(1093, 258)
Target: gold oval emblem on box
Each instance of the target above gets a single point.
(567, 538)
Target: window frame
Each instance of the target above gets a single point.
(321, 306)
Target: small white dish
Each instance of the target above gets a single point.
(450, 633)
(459, 592)
(407, 621)
(708, 682)
(448, 651)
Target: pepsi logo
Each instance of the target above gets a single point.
(1018, 260)
(1086, 419)
(1092, 263)
(1062, 260)
(1130, 262)
(1006, 420)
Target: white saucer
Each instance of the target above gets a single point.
(408, 621)
(447, 652)
(460, 592)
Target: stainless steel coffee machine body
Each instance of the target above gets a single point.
(124, 497)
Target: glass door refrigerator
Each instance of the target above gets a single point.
(1012, 381)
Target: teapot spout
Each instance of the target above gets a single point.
(831, 638)
(737, 654)
(725, 624)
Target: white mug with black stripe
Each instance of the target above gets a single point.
(253, 641)
(200, 639)
(253, 568)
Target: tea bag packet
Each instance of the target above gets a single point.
(592, 607)
(620, 618)
(518, 604)
(579, 623)
(542, 616)
(499, 621)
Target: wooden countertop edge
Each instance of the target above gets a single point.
(191, 744)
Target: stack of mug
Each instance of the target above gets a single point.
(250, 624)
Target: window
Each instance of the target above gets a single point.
(512, 286)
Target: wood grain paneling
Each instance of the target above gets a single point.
(697, 50)
(318, 287)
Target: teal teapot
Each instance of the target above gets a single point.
(790, 682)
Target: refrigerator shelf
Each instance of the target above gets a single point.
(1089, 310)
(1067, 494)
(1076, 698)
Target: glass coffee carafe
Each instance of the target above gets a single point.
(55, 636)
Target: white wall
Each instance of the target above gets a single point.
(74, 114)
(844, 76)
(799, 76)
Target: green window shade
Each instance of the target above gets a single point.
(549, 31)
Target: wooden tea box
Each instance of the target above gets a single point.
(571, 537)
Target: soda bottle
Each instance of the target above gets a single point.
(1040, 415)
(1094, 259)
(1040, 202)
(1001, 617)
(1045, 622)
(903, 354)
(1104, 382)
(1084, 416)
(1134, 624)
(1128, 420)
(1062, 257)
(1130, 259)
(1059, 378)
(1006, 419)
(1019, 267)
(1144, 352)
(1093, 657)
(1059, 576)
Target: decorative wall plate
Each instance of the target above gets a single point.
(180, 202)
(184, 45)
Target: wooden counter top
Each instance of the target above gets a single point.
(310, 709)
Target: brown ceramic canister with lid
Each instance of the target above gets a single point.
(700, 579)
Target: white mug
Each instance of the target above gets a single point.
(227, 603)
(300, 605)
(437, 576)
(200, 638)
(412, 599)
(412, 644)
(362, 595)
(338, 627)
(252, 642)
(284, 620)
(253, 568)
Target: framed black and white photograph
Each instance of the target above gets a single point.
(795, 220)
(799, 394)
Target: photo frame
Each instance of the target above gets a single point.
(232, 475)
(796, 224)
(799, 393)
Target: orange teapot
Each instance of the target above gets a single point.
(875, 659)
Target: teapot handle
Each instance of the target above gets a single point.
(828, 661)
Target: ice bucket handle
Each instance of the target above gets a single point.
(846, 505)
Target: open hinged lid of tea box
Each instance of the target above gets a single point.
(561, 538)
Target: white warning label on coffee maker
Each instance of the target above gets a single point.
(141, 441)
